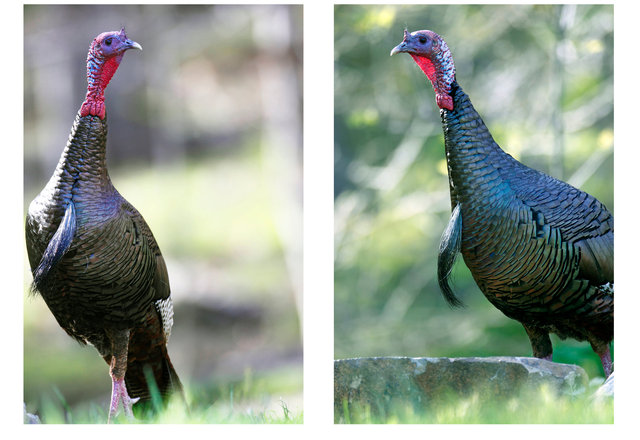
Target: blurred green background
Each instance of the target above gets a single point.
(205, 139)
(541, 76)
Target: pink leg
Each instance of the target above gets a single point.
(607, 365)
(119, 393)
(118, 368)
(602, 350)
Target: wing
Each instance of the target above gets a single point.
(160, 284)
(581, 219)
(161, 277)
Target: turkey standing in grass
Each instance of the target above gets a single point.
(94, 259)
(540, 250)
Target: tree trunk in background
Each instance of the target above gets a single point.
(566, 18)
(281, 134)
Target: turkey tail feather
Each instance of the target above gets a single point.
(152, 380)
(56, 248)
(175, 380)
(449, 249)
(159, 393)
(150, 374)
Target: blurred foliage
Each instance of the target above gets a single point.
(541, 76)
(205, 140)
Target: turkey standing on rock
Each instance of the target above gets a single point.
(94, 259)
(539, 249)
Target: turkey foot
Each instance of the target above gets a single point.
(117, 369)
(119, 393)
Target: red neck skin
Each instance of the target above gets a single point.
(441, 78)
(99, 73)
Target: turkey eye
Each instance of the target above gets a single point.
(107, 41)
(422, 40)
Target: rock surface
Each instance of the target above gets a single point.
(28, 418)
(384, 382)
(606, 389)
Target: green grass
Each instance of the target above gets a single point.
(57, 412)
(251, 400)
(540, 406)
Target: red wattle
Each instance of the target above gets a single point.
(109, 68)
(94, 102)
(427, 67)
(93, 108)
(443, 99)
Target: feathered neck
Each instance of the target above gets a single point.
(100, 70)
(440, 70)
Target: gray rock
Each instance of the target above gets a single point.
(385, 382)
(606, 389)
(28, 418)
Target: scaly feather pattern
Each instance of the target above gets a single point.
(95, 261)
(539, 249)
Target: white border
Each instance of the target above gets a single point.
(318, 251)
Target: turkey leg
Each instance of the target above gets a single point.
(117, 369)
(540, 342)
(602, 350)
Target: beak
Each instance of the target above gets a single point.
(128, 44)
(132, 45)
(402, 47)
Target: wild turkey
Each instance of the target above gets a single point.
(94, 259)
(539, 249)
